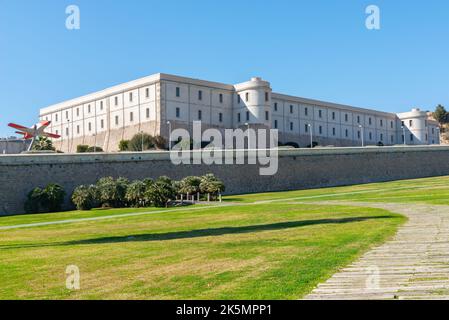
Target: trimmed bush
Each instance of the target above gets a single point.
(141, 140)
(94, 149)
(82, 148)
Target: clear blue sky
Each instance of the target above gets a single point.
(315, 49)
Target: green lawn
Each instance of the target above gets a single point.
(247, 250)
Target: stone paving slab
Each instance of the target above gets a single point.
(412, 265)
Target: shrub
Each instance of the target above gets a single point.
(94, 149)
(49, 199)
(161, 192)
(34, 200)
(135, 194)
(160, 142)
(123, 145)
(85, 197)
(82, 148)
(112, 192)
(53, 198)
(141, 140)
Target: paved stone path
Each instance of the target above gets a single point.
(413, 265)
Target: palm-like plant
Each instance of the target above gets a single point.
(161, 192)
(135, 193)
(211, 185)
(43, 144)
(190, 185)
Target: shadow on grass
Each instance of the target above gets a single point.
(199, 233)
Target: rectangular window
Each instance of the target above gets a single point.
(370, 136)
(131, 117)
(66, 114)
(178, 92)
(267, 97)
(77, 112)
(147, 92)
(116, 101)
(56, 117)
(291, 126)
(78, 129)
(275, 106)
(275, 124)
(381, 137)
(392, 139)
(321, 129)
(403, 123)
(333, 131)
(369, 121)
(238, 99)
(247, 96)
(291, 109)
(411, 137)
(333, 115)
(220, 117)
(346, 117)
(90, 126)
(200, 115)
(116, 120)
(381, 123)
(306, 128)
(101, 105)
(88, 108)
(178, 112)
(358, 119)
(238, 117)
(410, 123)
(320, 113)
(200, 95)
(358, 134)
(267, 116)
(102, 123)
(148, 112)
(247, 115)
(347, 133)
(221, 98)
(391, 124)
(67, 131)
(306, 111)
(130, 97)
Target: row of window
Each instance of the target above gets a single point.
(320, 115)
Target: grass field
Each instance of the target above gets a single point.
(264, 246)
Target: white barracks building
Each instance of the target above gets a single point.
(105, 117)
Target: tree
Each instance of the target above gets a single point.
(211, 185)
(135, 194)
(85, 197)
(161, 192)
(43, 144)
(440, 114)
(141, 140)
(123, 145)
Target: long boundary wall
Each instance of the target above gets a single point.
(298, 169)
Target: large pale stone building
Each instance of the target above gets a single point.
(105, 117)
